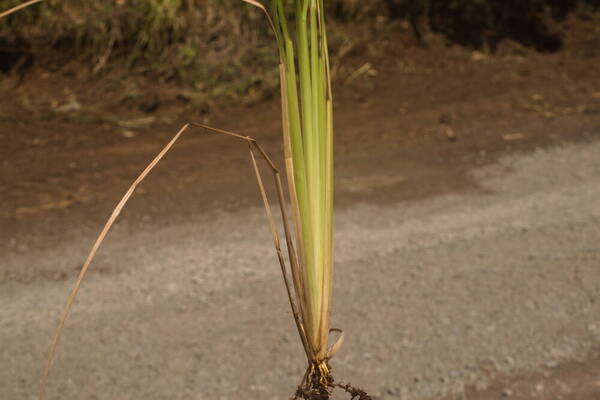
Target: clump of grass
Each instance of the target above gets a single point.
(307, 108)
(307, 105)
(209, 45)
(308, 134)
(214, 47)
(173, 39)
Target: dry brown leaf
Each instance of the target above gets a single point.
(19, 7)
(509, 137)
(255, 4)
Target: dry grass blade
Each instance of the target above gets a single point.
(111, 220)
(276, 241)
(255, 4)
(91, 256)
(262, 7)
(19, 7)
(337, 345)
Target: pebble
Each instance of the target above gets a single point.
(539, 387)
(507, 393)
(393, 391)
(450, 134)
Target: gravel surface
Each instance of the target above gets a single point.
(434, 296)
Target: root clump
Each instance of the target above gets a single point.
(319, 384)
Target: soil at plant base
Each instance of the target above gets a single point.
(426, 130)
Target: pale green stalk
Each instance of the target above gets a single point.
(308, 222)
(309, 142)
(316, 208)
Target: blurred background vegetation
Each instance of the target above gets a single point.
(207, 42)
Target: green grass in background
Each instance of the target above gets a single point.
(221, 50)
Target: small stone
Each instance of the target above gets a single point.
(450, 134)
(539, 387)
(393, 391)
(507, 393)
(537, 97)
(509, 137)
(478, 56)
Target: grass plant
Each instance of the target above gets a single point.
(308, 141)
(300, 31)
(307, 106)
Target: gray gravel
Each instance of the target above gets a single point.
(433, 295)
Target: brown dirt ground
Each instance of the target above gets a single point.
(573, 381)
(69, 149)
